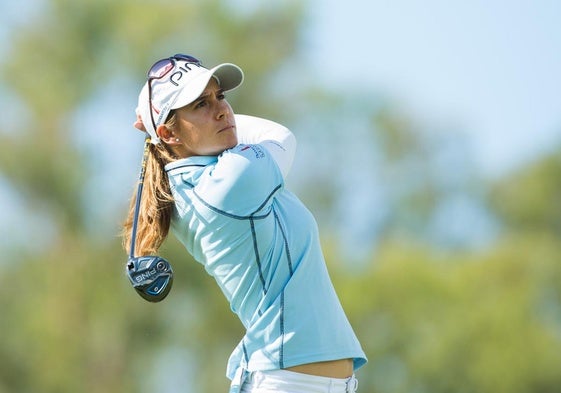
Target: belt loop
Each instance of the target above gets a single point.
(352, 385)
(239, 379)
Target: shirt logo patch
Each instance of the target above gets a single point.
(257, 150)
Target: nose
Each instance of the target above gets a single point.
(222, 109)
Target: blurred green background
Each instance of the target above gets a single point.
(451, 278)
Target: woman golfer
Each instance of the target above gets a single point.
(218, 181)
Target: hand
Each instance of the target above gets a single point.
(138, 124)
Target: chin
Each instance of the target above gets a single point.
(233, 143)
(222, 149)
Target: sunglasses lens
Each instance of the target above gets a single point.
(160, 68)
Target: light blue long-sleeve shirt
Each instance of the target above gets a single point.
(261, 244)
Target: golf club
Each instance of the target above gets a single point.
(151, 276)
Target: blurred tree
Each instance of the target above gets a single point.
(415, 180)
(528, 199)
(439, 323)
(488, 321)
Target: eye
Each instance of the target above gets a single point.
(200, 104)
(221, 95)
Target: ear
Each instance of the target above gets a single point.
(166, 135)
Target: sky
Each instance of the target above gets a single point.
(490, 68)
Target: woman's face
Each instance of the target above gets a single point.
(206, 126)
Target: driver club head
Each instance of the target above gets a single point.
(151, 276)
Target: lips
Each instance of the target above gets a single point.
(228, 127)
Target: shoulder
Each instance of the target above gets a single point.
(242, 180)
(248, 165)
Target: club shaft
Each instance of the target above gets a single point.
(139, 195)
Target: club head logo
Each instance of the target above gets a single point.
(151, 276)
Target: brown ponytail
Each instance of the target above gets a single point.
(156, 205)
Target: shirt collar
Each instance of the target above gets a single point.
(188, 164)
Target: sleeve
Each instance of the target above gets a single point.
(276, 138)
(243, 182)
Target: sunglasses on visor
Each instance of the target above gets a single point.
(160, 69)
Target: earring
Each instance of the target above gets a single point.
(177, 139)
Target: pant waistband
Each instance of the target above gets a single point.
(284, 377)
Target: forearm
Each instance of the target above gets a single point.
(277, 139)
